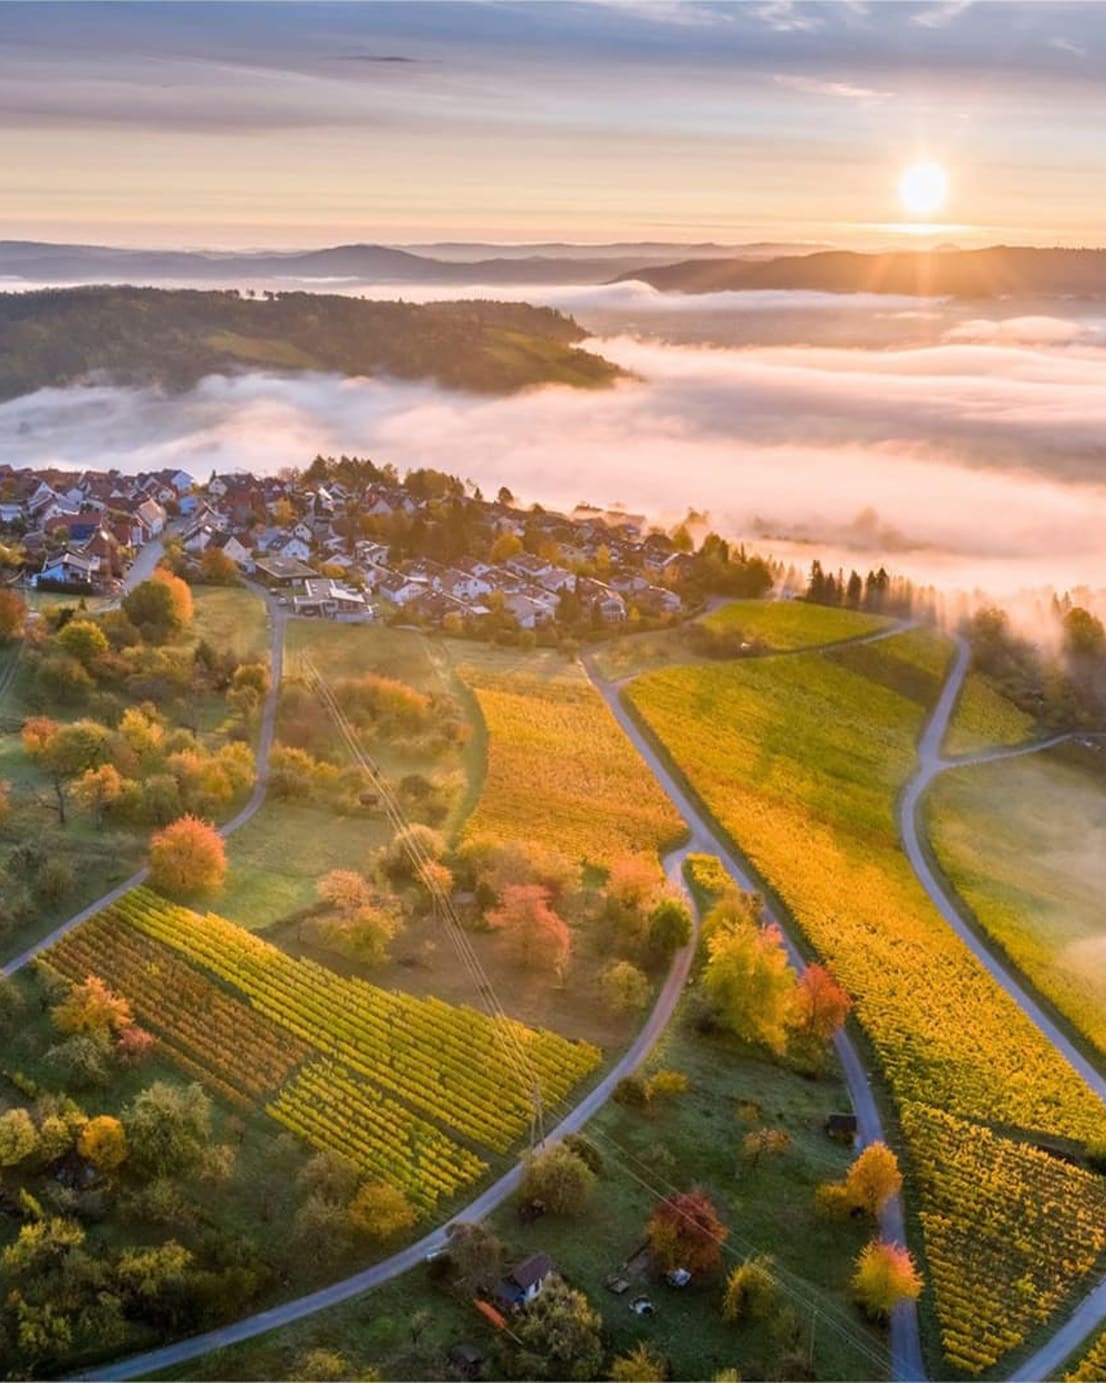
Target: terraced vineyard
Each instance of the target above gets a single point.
(558, 762)
(801, 759)
(375, 1075)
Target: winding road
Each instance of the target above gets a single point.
(907, 1362)
(931, 762)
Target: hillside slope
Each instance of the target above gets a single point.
(144, 336)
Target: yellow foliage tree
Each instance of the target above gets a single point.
(380, 1210)
(103, 1142)
(885, 1276)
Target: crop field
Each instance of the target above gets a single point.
(560, 769)
(1023, 842)
(992, 1286)
(787, 624)
(374, 1075)
(800, 760)
(1091, 1368)
(985, 719)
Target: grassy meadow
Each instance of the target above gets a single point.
(1023, 842)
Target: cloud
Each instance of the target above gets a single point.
(815, 86)
(786, 16)
(1067, 45)
(941, 15)
(1033, 331)
(860, 452)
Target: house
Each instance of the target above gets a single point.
(524, 1283)
(527, 565)
(324, 598)
(234, 548)
(283, 571)
(527, 611)
(659, 600)
(597, 595)
(400, 590)
(292, 549)
(198, 538)
(463, 585)
(556, 579)
(70, 569)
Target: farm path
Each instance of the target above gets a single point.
(908, 1363)
(181, 1351)
(278, 618)
(1091, 1311)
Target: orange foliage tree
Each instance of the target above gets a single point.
(180, 595)
(534, 934)
(685, 1232)
(187, 856)
(885, 1276)
(91, 1007)
(873, 1178)
(821, 1005)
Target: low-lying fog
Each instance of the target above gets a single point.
(966, 447)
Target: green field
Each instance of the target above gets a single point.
(786, 624)
(1023, 841)
(985, 719)
(232, 619)
(768, 626)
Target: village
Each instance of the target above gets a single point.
(347, 552)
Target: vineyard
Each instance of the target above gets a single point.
(1092, 1367)
(195, 1019)
(372, 1074)
(800, 760)
(558, 762)
(993, 1283)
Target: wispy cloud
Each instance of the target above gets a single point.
(817, 86)
(787, 16)
(1067, 45)
(941, 15)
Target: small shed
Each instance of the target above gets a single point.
(524, 1283)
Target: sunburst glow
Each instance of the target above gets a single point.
(923, 188)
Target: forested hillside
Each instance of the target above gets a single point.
(174, 338)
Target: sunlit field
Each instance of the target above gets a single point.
(561, 769)
(801, 760)
(1023, 842)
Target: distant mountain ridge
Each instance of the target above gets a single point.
(998, 271)
(45, 262)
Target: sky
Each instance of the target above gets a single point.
(310, 124)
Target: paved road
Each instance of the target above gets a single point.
(181, 1351)
(1092, 1310)
(907, 1361)
(906, 1347)
(278, 619)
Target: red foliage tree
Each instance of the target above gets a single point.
(685, 1232)
(821, 1005)
(534, 934)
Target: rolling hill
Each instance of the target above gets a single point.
(143, 336)
(998, 271)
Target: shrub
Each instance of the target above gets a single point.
(559, 1177)
(750, 1291)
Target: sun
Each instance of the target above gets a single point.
(923, 188)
